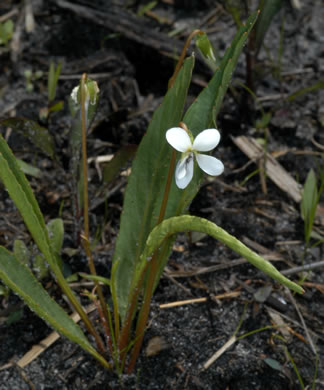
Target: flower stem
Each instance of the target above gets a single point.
(86, 244)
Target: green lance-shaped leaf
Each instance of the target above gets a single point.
(21, 252)
(309, 203)
(202, 114)
(269, 8)
(300, 92)
(21, 193)
(146, 185)
(95, 278)
(187, 223)
(29, 169)
(55, 229)
(53, 76)
(20, 279)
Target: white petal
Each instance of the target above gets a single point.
(184, 172)
(210, 165)
(181, 168)
(206, 140)
(178, 139)
(74, 94)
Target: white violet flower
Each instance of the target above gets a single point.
(183, 142)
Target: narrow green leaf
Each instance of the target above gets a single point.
(309, 203)
(56, 107)
(55, 229)
(309, 196)
(146, 184)
(19, 278)
(269, 8)
(40, 267)
(273, 364)
(209, 101)
(186, 223)
(37, 134)
(21, 252)
(95, 278)
(22, 195)
(29, 169)
(314, 87)
(24, 199)
(53, 75)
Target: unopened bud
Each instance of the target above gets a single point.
(91, 89)
(206, 48)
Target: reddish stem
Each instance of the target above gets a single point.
(86, 244)
(126, 329)
(153, 270)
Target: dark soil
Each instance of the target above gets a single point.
(132, 66)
